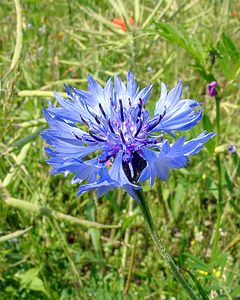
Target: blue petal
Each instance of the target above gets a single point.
(121, 90)
(86, 96)
(160, 163)
(143, 94)
(109, 96)
(160, 105)
(63, 150)
(103, 189)
(116, 172)
(195, 145)
(96, 91)
(173, 156)
(169, 100)
(183, 116)
(61, 130)
(103, 186)
(131, 86)
(71, 110)
(150, 171)
(177, 115)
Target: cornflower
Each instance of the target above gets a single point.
(120, 144)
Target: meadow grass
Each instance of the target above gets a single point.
(54, 245)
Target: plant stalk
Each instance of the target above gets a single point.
(43, 210)
(160, 246)
(19, 40)
(219, 168)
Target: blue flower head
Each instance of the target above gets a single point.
(108, 139)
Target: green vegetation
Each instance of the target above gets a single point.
(54, 245)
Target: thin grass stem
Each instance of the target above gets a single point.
(19, 40)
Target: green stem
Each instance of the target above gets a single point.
(217, 99)
(219, 167)
(133, 52)
(160, 246)
(43, 210)
(19, 40)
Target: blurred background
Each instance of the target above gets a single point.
(47, 248)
